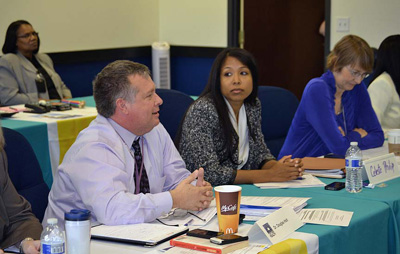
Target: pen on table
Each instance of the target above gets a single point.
(300, 178)
(260, 207)
(187, 223)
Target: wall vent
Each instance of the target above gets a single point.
(161, 65)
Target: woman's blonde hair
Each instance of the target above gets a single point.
(351, 50)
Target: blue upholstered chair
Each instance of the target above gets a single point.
(173, 108)
(278, 108)
(25, 172)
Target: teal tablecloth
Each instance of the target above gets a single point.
(368, 231)
(389, 195)
(36, 134)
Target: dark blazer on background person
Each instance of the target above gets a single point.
(17, 79)
(202, 145)
(17, 221)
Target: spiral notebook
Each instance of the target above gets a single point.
(147, 234)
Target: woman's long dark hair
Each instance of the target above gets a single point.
(10, 42)
(213, 91)
(389, 60)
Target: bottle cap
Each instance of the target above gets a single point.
(52, 221)
(354, 143)
(77, 215)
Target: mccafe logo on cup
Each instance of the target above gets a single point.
(228, 202)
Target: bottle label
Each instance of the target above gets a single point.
(353, 163)
(57, 248)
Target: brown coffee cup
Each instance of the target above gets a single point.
(394, 141)
(228, 207)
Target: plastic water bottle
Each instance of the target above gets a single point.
(353, 168)
(52, 239)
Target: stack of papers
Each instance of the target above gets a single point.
(328, 173)
(303, 182)
(324, 167)
(256, 208)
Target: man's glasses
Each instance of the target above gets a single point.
(28, 35)
(357, 74)
(176, 214)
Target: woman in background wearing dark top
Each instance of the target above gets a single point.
(335, 108)
(18, 226)
(221, 130)
(385, 87)
(26, 75)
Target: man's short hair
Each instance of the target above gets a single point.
(113, 83)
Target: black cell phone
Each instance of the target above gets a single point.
(202, 233)
(36, 108)
(225, 239)
(335, 186)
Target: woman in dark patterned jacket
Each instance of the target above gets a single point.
(221, 131)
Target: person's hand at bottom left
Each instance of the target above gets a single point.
(189, 197)
(31, 247)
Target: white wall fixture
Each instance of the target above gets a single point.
(343, 24)
(161, 65)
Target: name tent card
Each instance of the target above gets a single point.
(382, 168)
(276, 226)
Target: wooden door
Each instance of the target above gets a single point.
(283, 35)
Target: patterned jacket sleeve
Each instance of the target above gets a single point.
(200, 144)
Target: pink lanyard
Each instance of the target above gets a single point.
(138, 175)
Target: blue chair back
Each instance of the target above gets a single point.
(173, 109)
(278, 107)
(25, 172)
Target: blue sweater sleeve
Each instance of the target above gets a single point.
(319, 107)
(367, 120)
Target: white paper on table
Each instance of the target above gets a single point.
(252, 218)
(251, 249)
(326, 216)
(258, 212)
(374, 152)
(273, 201)
(308, 181)
(179, 250)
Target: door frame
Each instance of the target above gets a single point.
(233, 23)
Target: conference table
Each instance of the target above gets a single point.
(368, 231)
(374, 227)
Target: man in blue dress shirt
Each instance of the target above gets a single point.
(100, 172)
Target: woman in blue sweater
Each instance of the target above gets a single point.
(335, 108)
